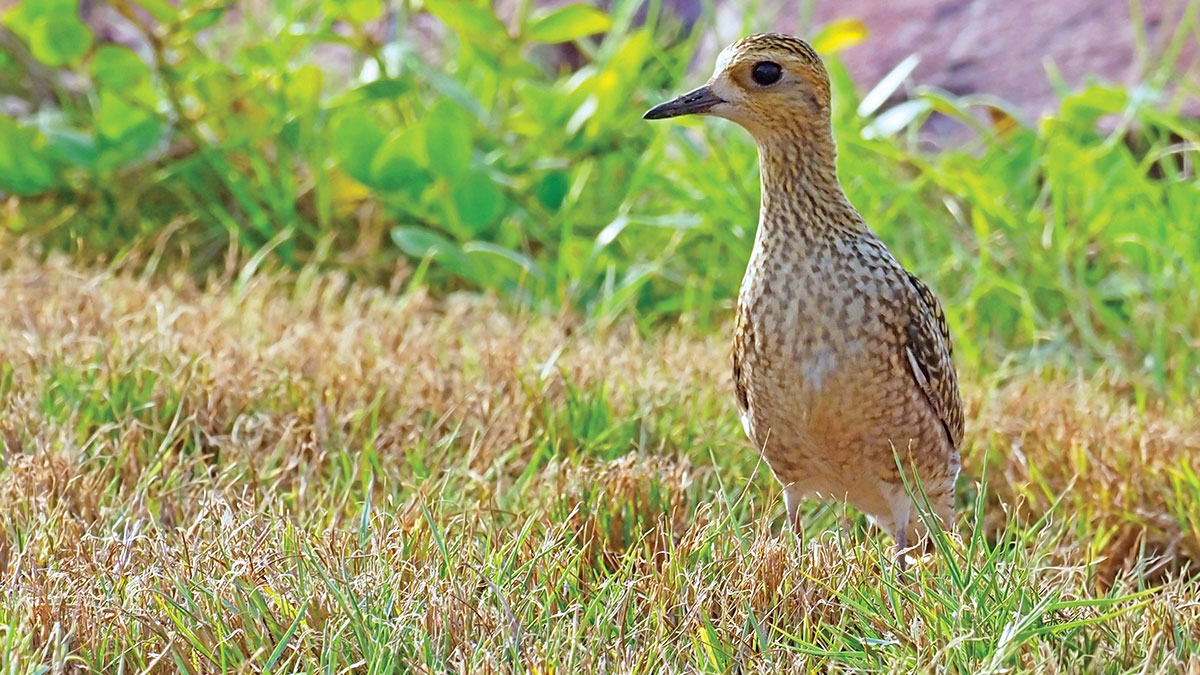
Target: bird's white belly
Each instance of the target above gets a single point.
(817, 366)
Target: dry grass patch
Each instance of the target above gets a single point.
(306, 473)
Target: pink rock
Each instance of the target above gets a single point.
(1002, 47)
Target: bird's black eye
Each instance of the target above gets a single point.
(766, 73)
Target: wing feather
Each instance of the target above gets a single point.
(931, 358)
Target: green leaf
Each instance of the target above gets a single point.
(22, 19)
(551, 190)
(118, 67)
(116, 116)
(395, 167)
(71, 145)
(288, 634)
(386, 89)
(477, 200)
(420, 242)
(468, 17)
(356, 138)
(569, 23)
(448, 139)
(159, 9)
(1085, 107)
(304, 85)
(476, 249)
(265, 55)
(383, 89)
(59, 40)
(24, 165)
(204, 18)
(54, 6)
(125, 129)
(356, 11)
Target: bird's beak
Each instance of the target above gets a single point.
(698, 100)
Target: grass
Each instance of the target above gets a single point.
(317, 133)
(295, 473)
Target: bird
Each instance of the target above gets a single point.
(843, 366)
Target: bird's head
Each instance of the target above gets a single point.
(771, 84)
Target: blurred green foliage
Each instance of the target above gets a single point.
(335, 132)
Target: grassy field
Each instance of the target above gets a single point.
(351, 336)
(295, 473)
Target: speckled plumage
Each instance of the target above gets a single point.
(841, 357)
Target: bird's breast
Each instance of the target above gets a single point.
(802, 322)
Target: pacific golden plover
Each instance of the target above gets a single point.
(841, 357)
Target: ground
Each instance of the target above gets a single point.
(292, 472)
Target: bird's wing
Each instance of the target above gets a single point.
(741, 342)
(931, 358)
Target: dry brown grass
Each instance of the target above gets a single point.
(186, 471)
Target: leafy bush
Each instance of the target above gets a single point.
(335, 132)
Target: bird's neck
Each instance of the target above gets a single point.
(802, 198)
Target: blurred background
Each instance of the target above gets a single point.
(1034, 161)
(1022, 51)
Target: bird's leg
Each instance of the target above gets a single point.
(901, 510)
(791, 499)
(901, 546)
